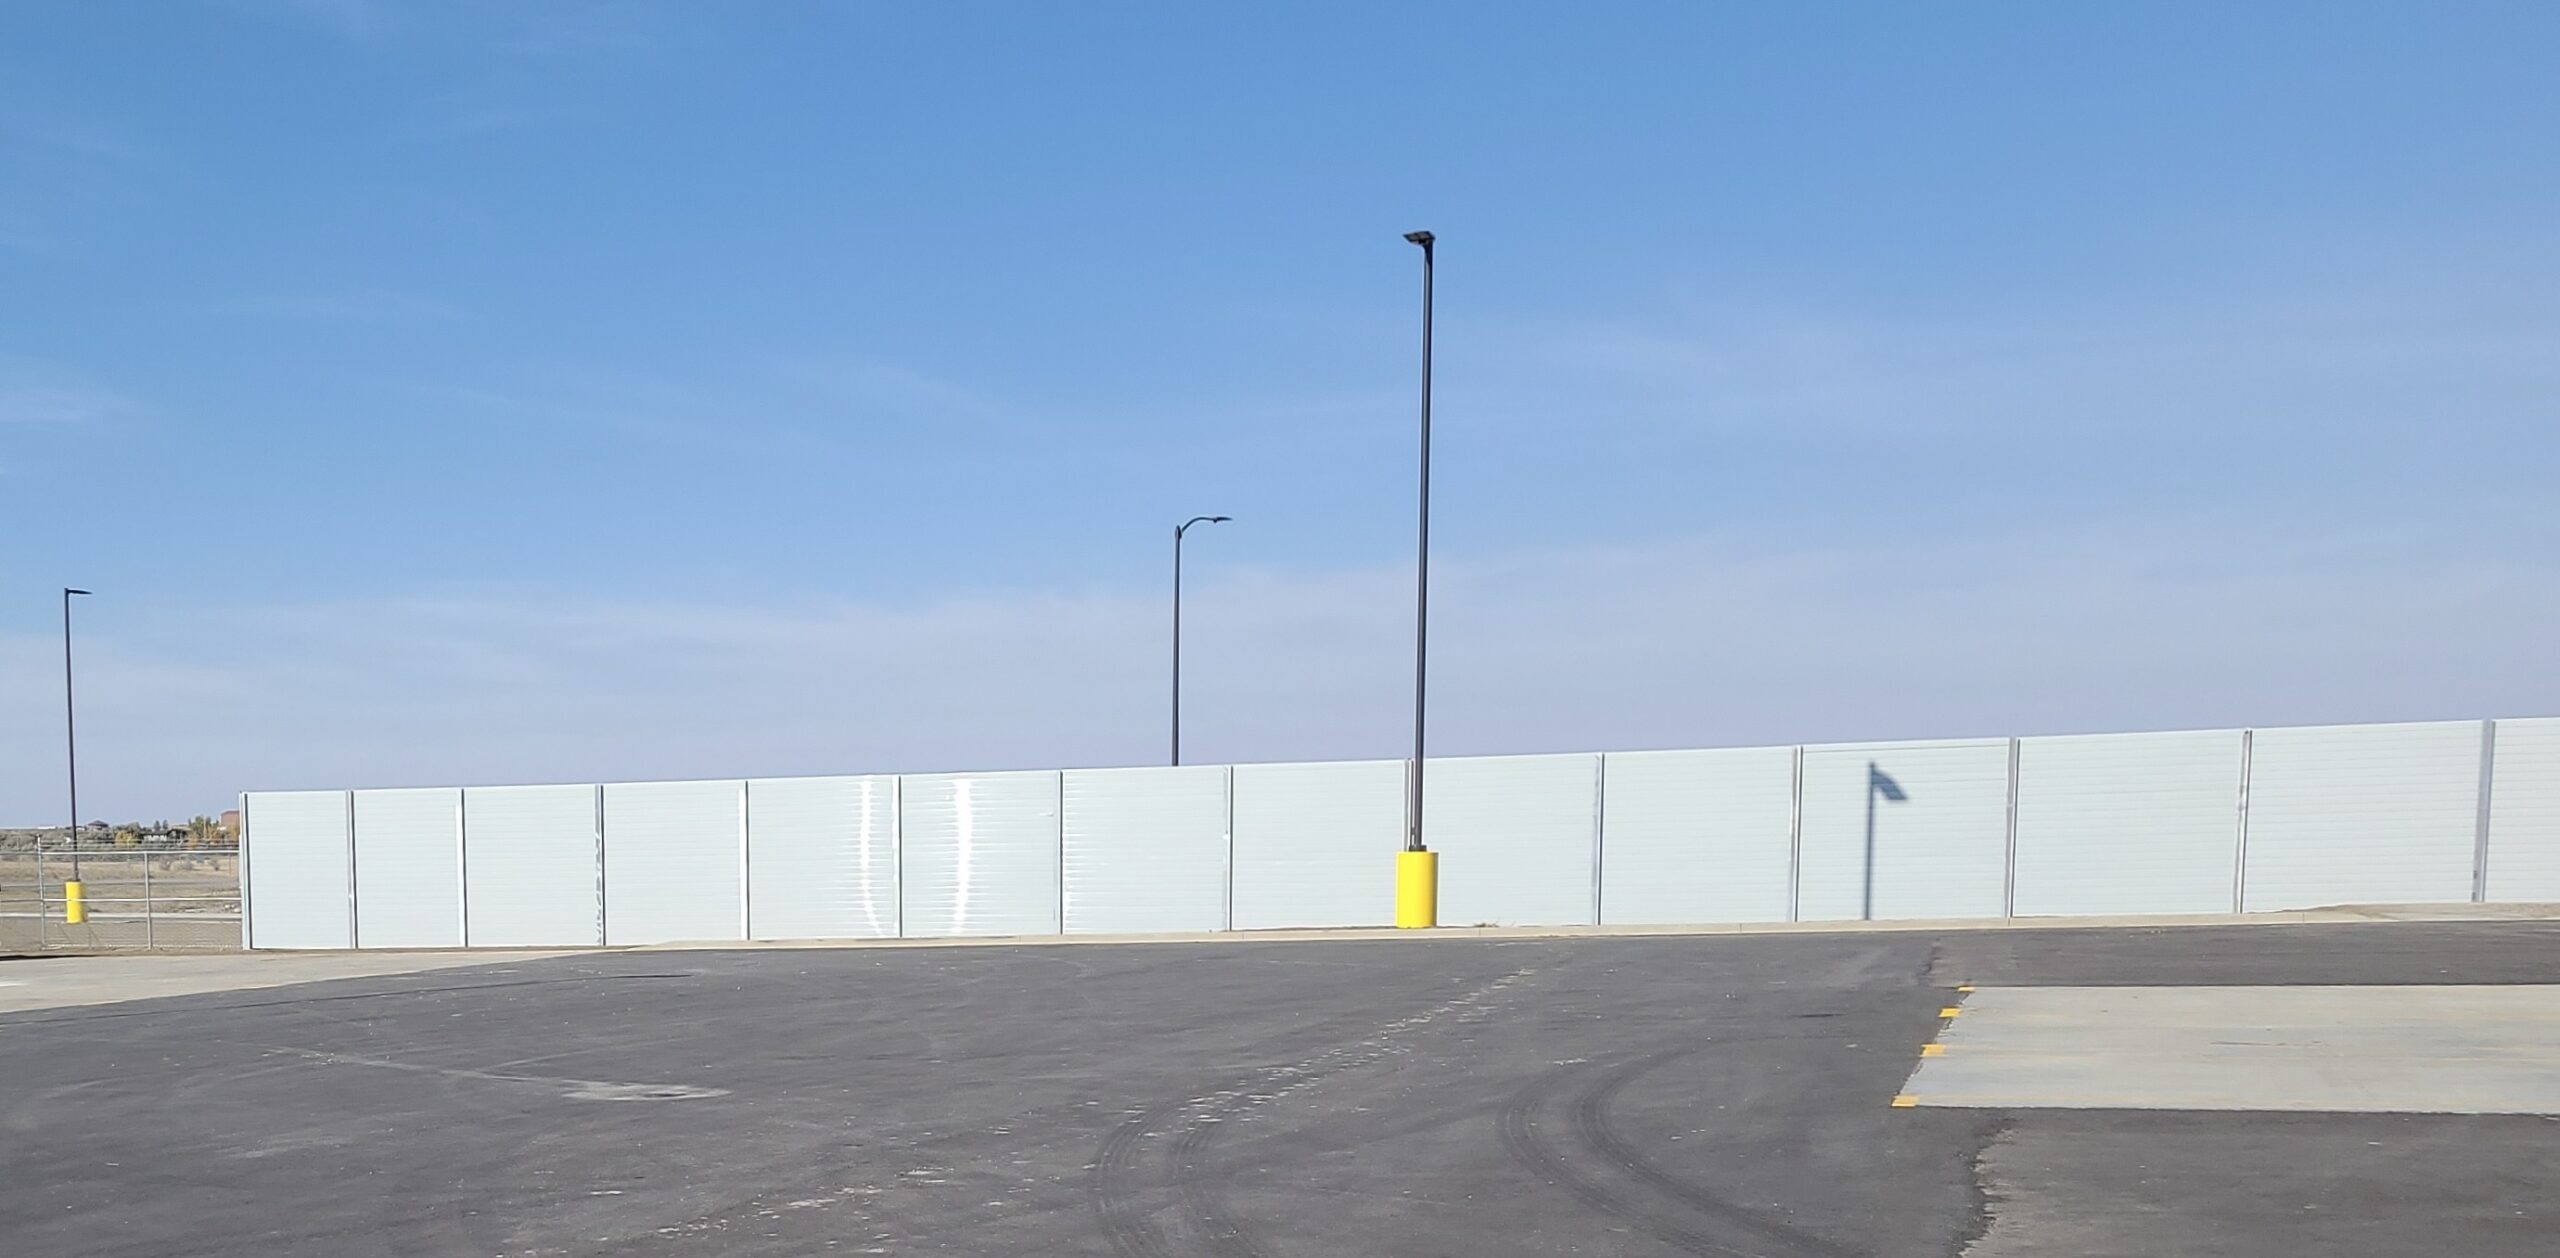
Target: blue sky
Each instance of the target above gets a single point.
(481, 392)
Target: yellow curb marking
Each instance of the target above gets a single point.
(1949, 1012)
(1906, 1102)
(1933, 1050)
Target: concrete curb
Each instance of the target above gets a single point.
(2344, 914)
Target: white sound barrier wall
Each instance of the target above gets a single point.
(2183, 822)
(981, 853)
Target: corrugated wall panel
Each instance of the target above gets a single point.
(2128, 823)
(298, 870)
(2342, 814)
(1146, 849)
(822, 858)
(409, 868)
(530, 866)
(1515, 836)
(1696, 836)
(981, 853)
(2524, 813)
(672, 862)
(1941, 850)
(1316, 844)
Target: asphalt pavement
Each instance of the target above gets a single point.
(1602, 1096)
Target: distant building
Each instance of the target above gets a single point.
(230, 820)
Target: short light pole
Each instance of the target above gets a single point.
(71, 733)
(1417, 871)
(1178, 531)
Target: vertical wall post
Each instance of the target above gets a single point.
(2009, 866)
(1061, 823)
(462, 860)
(746, 867)
(602, 926)
(898, 853)
(1599, 827)
(1795, 837)
(2480, 833)
(2240, 842)
(240, 870)
(355, 927)
(1230, 915)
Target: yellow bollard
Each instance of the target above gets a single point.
(75, 903)
(1417, 890)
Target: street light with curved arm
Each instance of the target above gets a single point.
(70, 728)
(1178, 531)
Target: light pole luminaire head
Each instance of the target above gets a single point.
(1423, 239)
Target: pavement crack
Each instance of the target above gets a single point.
(574, 1089)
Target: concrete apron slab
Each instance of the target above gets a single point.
(2407, 1050)
(58, 982)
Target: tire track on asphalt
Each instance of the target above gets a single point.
(1529, 1145)
(1581, 1151)
(1116, 1201)
(1119, 1202)
(1593, 1128)
(1124, 1200)
(1225, 1234)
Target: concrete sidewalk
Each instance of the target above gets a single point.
(46, 982)
(30, 983)
(1942, 925)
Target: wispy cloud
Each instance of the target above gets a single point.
(2157, 624)
(583, 29)
(550, 29)
(362, 21)
(463, 120)
(811, 402)
(60, 168)
(23, 232)
(890, 392)
(74, 137)
(374, 306)
(2354, 359)
(673, 420)
(30, 394)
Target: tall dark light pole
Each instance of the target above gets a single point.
(1422, 561)
(70, 728)
(1178, 531)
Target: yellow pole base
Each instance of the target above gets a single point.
(75, 903)
(1417, 890)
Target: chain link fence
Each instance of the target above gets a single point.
(187, 898)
